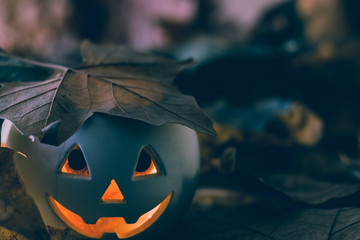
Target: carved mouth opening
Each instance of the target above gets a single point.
(115, 225)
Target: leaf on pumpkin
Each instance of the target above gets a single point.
(111, 80)
(18, 211)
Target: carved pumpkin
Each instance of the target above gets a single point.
(113, 176)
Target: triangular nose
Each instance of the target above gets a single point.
(113, 194)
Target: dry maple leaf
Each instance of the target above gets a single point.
(114, 80)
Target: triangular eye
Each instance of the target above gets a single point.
(146, 164)
(75, 163)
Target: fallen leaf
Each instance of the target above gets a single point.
(63, 234)
(286, 224)
(18, 211)
(6, 234)
(304, 189)
(111, 80)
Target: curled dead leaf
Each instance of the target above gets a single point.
(112, 80)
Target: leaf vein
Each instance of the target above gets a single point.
(116, 102)
(160, 106)
(53, 99)
(41, 120)
(32, 86)
(33, 110)
(341, 229)
(333, 223)
(43, 93)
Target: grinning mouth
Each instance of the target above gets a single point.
(115, 225)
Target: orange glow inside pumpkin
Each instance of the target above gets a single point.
(151, 170)
(113, 194)
(146, 166)
(146, 159)
(109, 224)
(66, 168)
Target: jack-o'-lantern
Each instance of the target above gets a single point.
(113, 176)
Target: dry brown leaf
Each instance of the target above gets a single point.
(6, 234)
(112, 80)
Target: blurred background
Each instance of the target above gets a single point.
(280, 79)
(53, 29)
(245, 51)
(47, 28)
